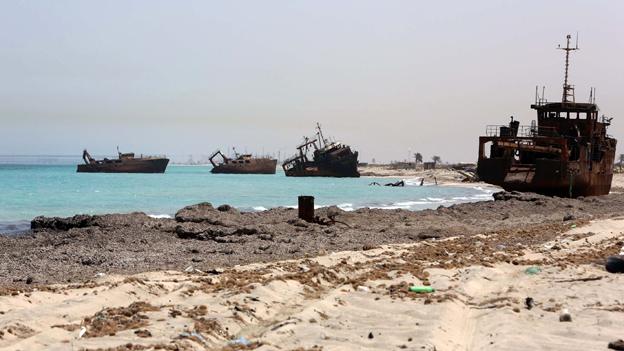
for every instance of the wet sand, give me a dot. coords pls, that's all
(356, 299)
(76, 249)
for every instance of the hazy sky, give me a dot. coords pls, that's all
(387, 77)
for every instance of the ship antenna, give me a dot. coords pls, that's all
(568, 90)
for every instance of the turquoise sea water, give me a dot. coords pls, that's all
(27, 191)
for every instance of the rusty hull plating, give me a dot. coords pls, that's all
(329, 159)
(243, 164)
(125, 163)
(567, 153)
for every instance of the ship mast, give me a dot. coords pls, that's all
(320, 134)
(568, 90)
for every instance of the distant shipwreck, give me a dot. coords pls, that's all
(567, 153)
(328, 159)
(242, 164)
(125, 163)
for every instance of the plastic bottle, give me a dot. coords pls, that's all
(421, 289)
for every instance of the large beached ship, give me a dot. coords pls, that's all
(242, 164)
(329, 159)
(567, 153)
(124, 163)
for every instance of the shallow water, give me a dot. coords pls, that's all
(57, 190)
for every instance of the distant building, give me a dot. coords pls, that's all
(429, 165)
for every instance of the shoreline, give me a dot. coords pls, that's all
(77, 248)
(349, 298)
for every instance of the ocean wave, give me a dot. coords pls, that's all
(346, 207)
(160, 216)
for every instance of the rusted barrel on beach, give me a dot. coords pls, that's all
(306, 208)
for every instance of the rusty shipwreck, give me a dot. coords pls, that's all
(567, 153)
(124, 163)
(242, 164)
(319, 157)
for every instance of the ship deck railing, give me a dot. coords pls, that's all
(523, 131)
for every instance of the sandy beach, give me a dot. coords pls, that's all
(215, 278)
(441, 175)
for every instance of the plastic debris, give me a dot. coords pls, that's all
(421, 289)
(532, 270)
(194, 334)
(363, 288)
(241, 341)
(82, 332)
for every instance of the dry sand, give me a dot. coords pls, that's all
(441, 175)
(346, 301)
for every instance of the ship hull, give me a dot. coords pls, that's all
(314, 169)
(253, 166)
(553, 177)
(157, 165)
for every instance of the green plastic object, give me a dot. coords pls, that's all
(421, 289)
(532, 270)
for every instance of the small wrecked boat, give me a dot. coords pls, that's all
(125, 163)
(567, 153)
(242, 164)
(328, 159)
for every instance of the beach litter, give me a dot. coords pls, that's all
(532, 270)
(616, 345)
(529, 302)
(565, 316)
(194, 335)
(241, 341)
(421, 289)
(615, 264)
(363, 288)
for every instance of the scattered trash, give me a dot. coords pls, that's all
(421, 289)
(565, 316)
(363, 288)
(82, 332)
(191, 269)
(215, 271)
(573, 226)
(529, 303)
(616, 345)
(99, 275)
(143, 333)
(615, 264)
(195, 335)
(370, 335)
(241, 341)
(532, 270)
